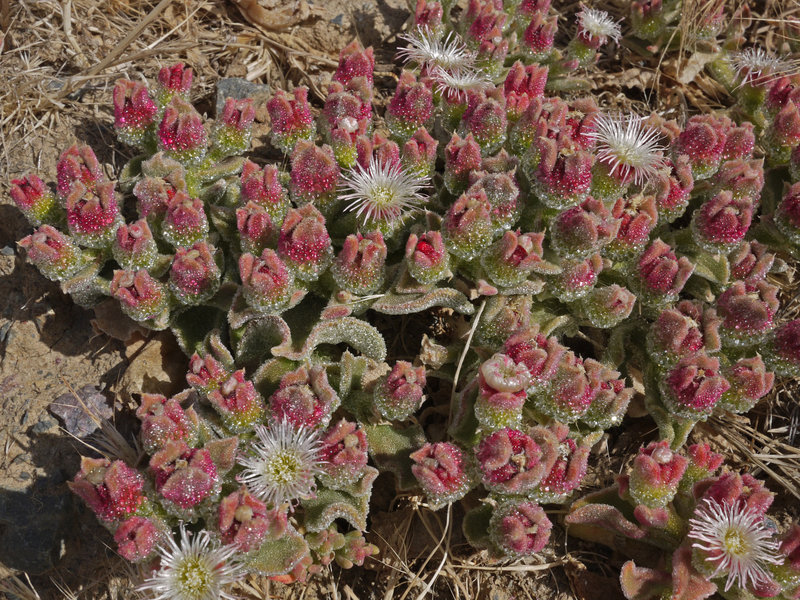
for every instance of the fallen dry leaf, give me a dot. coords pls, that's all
(273, 18)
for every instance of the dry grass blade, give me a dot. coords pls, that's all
(15, 588)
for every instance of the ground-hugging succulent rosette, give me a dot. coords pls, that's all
(582, 245)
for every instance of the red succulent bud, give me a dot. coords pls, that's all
(569, 468)
(354, 61)
(672, 191)
(194, 276)
(467, 226)
(185, 221)
(638, 217)
(783, 351)
(176, 79)
(181, 134)
(77, 164)
(53, 253)
(138, 539)
(485, 118)
(541, 355)
(134, 111)
(743, 491)
(245, 521)
(441, 470)
(563, 176)
(419, 153)
(360, 266)
(513, 257)
(238, 403)
(184, 476)
(747, 312)
(234, 126)
(787, 215)
(428, 15)
(142, 298)
(255, 227)
(655, 475)
(314, 176)
(520, 528)
(411, 106)
(267, 284)
(36, 202)
(291, 118)
(134, 246)
(344, 454)
(461, 156)
(304, 242)
(112, 490)
(164, 419)
(703, 142)
(206, 373)
(511, 462)
(740, 142)
(577, 278)
(304, 398)
(522, 84)
(539, 36)
(263, 187)
(401, 392)
(582, 230)
(693, 387)
(661, 274)
(750, 381)
(683, 331)
(93, 214)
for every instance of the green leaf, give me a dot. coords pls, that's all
(390, 446)
(404, 304)
(476, 526)
(191, 326)
(713, 267)
(277, 557)
(350, 503)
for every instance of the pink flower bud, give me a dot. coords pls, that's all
(790, 548)
(577, 278)
(520, 528)
(164, 420)
(502, 191)
(787, 215)
(672, 191)
(485, 119)
(348, 110)
(501, 374)
(304, 242)
(154, 194)
(683, 331)
(267, 284)
(314, 175)
(77, 164)
(510, 462)
(638, 217)
(304, 398)
(134, 112)
(529, 8)
(750, 381)
(184, 476)
(194, 276)
(784, 133)
(134, 246)
(36, 202)
(354, 61)
(703, 463)
(138, 539)
(504, 315)
(522, 84)
(206, 373)
(703, 142)
(441, 470)
(611, 397)
(647, 19)
(583, 230)
(344, 454)
(692, 388)
(234, 127)
(401, 392)
(291, 118)
(185, 221)
(263, 187)
(427, 258)
(174, 80)
(747, 312)
(655, 475)
(607, 306)
(238, 403)
(360, 267)
(467, 226)
(93, 214)
(743, 178)
(513, 257)
(112, 490)
(740, 142)
(563, 176)
(569, 393)
(419, 153)
(181, 134)
(541, 355)
(569, 468)
(245, 521)
(410, 108)
(661, 275)
(720, 224)
(429, 15)
(53, 253)
(539, 36)
(783, 350)
(142, 298)
(743, 491)
(461, 156)
(255, 227)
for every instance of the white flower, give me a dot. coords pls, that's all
(283, 463)
(734, 541)
(383, 192)
(459, 81)
(598, 24)
(628, 146)
(426, 48)
(197, 569)
(753, 63)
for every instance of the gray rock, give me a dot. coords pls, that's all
(77, 414)
(7, 251)
(238, 89)
(44, 424)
